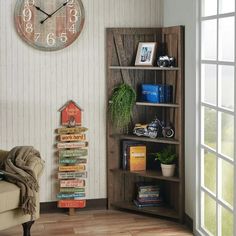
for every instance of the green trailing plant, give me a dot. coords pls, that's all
(166, 156)
(121, 105)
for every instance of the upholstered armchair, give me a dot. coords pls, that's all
(11, 212)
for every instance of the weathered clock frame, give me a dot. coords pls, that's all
(49, 25)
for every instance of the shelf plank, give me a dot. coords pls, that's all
(145, 139)
(154, 174)
(144, 68)
(160, 210)
(157, 104)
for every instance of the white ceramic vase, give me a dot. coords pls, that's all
(168, 170)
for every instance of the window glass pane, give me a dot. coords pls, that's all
(226, 144)
(209, 83)
(209, 132)
(209, 7)
(209, 38)
(226, 222)
(209, 168)
(226, 87)
(226, 39)
(226, 6)
(209, 214)
(227, 182)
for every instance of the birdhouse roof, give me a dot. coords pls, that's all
(70, 101)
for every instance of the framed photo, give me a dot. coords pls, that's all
(146, 54)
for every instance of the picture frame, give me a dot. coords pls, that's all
(146, 54)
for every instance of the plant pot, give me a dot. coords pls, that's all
(168, 170)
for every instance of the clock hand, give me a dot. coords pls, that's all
(39, 9)
(64, 4)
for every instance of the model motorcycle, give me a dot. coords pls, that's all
(152, 129)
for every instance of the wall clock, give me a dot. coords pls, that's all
(49, 25)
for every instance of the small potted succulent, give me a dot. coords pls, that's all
(167, 158)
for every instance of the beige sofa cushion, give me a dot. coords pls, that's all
(9, 195)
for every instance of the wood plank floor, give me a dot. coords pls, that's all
(101, 223)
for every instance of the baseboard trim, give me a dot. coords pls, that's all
(188, 222)
(91, 204)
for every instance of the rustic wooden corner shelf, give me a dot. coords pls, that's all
(163, 211)
(153, 174)
(144, 68)
(122, 45)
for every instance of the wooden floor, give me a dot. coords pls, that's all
(101, 223)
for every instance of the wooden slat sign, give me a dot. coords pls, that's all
(72, 161)
(70, 195)
(72, 145)
(71, 137)
(80, 167)
(72, 175)
(72, 183)
(71, 130)
(72, 203)
(72, 190)
(73, 153)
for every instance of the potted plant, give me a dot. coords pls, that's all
(121, 106)
(167, 158)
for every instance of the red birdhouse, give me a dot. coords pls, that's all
(71, 114)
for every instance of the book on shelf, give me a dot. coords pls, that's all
(140, 204)
(133, 155)
(165, 93)
(148, 194)
(137, 158)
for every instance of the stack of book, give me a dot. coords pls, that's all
(148, 195)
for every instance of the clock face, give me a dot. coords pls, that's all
(49, 25)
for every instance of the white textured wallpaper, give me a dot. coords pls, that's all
(35, 84)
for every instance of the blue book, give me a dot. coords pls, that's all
(150, 93)
(162, 93)
(168, 93)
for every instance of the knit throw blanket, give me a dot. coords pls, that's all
(16, 171)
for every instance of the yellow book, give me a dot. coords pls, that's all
(137, 158)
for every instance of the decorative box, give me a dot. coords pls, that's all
(150, 93)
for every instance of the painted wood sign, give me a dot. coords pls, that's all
(80, 167)
(80, 144)
(70, 195)
(72, 203)
(72, 183)
(72, 175)
(72, 130)
(72, 161)
(70, 114)
(72, 158)
(71, 137)
(73, 153)
(72, 190)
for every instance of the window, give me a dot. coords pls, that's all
(216, 177)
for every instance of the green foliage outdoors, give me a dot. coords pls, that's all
(121, 105)
(166, 156)
(210, 173)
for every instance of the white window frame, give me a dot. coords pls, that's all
(199, 230)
